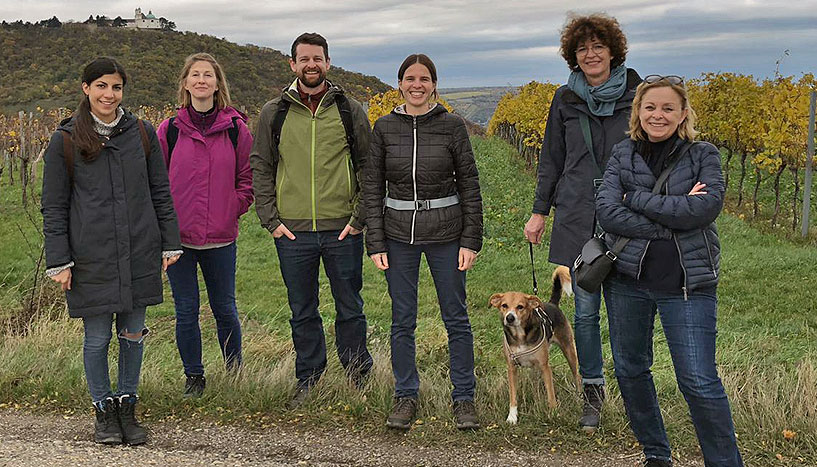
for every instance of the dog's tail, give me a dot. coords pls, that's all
(561, 283)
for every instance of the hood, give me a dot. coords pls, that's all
(435, 110)
(224, 119)
(127, 120)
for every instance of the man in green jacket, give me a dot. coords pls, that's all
(306, 161)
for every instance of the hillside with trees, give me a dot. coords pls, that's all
(41, 65)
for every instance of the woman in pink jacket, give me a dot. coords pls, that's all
(206, 147)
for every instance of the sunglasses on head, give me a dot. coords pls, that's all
(671, 79)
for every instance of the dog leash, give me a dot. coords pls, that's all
(533, 270)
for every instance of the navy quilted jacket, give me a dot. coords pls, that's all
(673, 214)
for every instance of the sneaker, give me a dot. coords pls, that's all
(402, 413)
(657, 463)
(132, 431)
(194, 386)
(298, 397)
(106, 426)
(591, 413)
(466, 414)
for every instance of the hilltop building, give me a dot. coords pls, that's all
(142, 21)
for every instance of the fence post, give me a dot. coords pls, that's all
(809, 162)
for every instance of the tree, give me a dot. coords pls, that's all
(118, 22)
(166, 25)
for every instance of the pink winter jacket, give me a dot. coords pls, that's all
(210, 181)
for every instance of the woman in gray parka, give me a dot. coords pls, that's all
(109, 230)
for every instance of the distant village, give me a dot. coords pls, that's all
(139, 21)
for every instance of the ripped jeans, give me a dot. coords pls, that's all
(95, 352)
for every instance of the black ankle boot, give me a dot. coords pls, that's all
(591, 412)
(132, 431)
(106, 426)
(194, 386)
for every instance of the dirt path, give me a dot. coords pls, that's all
(54, 440)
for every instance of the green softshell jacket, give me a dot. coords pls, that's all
(309, 182)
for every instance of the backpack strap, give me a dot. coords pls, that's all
(233, 133)
(172, 137)
(145, 140)
(278, 122)
(68, 155)
(348, 125)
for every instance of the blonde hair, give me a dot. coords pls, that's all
(686, 129)
(221, 97)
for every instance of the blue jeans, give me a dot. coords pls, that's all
(343, 263)
(587, 333)
(402, 277)
(690, 329)
(95, 352)
(218, 269)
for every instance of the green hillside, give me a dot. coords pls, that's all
(41, 66)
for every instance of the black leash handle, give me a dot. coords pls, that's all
(533, 270)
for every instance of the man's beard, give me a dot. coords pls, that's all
(318, 80)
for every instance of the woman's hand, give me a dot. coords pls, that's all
(697, 189)
(467, 258)
(168, 261)
(64, 279)
(380, 260)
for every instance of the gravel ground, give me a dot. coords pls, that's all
(54, 440)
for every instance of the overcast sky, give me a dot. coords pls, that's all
(490, 42)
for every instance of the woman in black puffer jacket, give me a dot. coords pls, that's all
(670, 265)
(421, 191)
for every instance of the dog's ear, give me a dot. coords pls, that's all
(534, 302)
(496, 299)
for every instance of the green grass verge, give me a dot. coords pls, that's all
(766, 346)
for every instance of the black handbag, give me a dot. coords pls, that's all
(595, 261)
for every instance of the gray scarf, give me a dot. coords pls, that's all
(601, 99)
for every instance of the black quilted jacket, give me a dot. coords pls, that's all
(673, 214)
(423, 157)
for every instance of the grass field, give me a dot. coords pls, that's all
(767, 344)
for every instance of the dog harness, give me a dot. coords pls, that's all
(547, 328)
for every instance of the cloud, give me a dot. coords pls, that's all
(488, 41)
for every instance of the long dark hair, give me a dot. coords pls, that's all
(84, 135)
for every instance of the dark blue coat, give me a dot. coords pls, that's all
(643, 216)
(566, 168)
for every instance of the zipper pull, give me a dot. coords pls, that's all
(686, 297)
(414, 122)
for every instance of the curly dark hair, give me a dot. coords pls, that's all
(606, 29)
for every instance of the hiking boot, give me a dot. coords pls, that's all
(298, 397)
(132, 431)
(194, 386)
(359, 379)
(466, 414)
(591, 413)
(106, 426)
(657, 463)
(402, 414)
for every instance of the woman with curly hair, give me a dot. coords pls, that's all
(587, 117)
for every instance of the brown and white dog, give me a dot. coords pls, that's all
(530, 327)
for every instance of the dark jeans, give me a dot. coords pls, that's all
(218, 269)
(95, 352)
(690, 329)
(588, 334)
(343, 263)
(402, 277)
